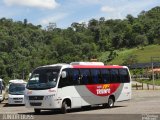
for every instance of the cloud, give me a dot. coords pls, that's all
(84, 2)
(120, 9)
(107, 9)
(45, 4)
(53, 18)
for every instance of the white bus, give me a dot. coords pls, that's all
(2, 90)
(16, 91)
(66, 86)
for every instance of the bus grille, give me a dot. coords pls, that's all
(36, 97)
(35, 104)
(17, 98)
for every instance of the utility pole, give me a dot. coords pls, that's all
(152, 62)
(153, 59)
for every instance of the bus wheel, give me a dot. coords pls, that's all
(110, 103)
(37, 111)
(64, 107)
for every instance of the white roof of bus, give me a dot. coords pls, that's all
(54, 65)
(86, 63)
(78, 63)
(17, 81)
(1, 79)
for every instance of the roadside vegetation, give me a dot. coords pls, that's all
(24, 46)
(157, 81)
(134, 55)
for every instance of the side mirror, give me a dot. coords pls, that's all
(64, 74)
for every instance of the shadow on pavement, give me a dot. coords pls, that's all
(15, 105)
(56, 111)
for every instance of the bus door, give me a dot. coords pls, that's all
(67, 86)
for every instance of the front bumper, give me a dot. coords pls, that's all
(42, 102)
(17, 100)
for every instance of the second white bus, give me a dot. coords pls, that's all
(16, 92)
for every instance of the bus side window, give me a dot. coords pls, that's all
(105, 76)
(85, 76)
(114, 76)
(95, 74)
(75, 76)
(124, 76)
(65, 81)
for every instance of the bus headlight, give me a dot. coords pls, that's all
(48, 97)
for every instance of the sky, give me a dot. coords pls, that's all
(65, 12)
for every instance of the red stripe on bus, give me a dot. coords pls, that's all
(103, 89)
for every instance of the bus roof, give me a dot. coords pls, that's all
(17, 81)
(98, 66)
(86, 63)
(1, 79)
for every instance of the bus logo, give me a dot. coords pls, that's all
(106, 86)
(104, 90)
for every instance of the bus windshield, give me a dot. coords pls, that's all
(16, 89)
(43, 78)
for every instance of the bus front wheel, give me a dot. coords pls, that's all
(37, 111)
(64, 107)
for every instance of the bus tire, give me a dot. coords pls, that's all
(37, 111)
(64, 107)
(111, 101)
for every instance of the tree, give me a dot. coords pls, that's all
(51, 26)
(25, 22)
(130, 18)
(141, 40)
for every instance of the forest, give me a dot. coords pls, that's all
(24, 46)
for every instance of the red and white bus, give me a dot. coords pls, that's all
(66, 86)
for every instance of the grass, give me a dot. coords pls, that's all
(143, 54)
(136, 85)
(157, 82)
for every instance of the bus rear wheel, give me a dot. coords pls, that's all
(64, 107)
(110, 103)
(37, 111)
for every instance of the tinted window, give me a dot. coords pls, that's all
(66, 81)
(43, 78)
(114, 76)
(95, 73)
(16, 89)
(75, 76)
(124, 76)
(105, 75)
(85, 76)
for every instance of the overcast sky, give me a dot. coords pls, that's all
(65, 12)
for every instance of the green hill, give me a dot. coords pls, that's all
(143, 55)
(24, 46)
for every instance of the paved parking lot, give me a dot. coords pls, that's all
(143, 102)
